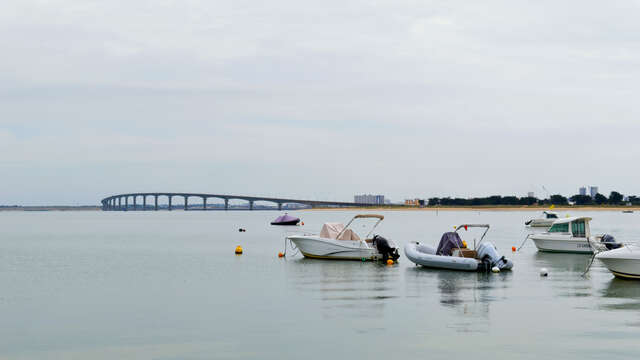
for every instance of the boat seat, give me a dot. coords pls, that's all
(466, 253)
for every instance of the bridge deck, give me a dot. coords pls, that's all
(115, 202)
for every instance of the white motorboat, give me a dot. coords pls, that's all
(569, 235)
(622, 260)
(452, 253)
(547, 219)
(337, 241)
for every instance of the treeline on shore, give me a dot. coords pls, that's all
(615, 198)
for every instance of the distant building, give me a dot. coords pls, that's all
(369, 199)
(582, 191)
(531, 194)
(414, 202)
(593, 190)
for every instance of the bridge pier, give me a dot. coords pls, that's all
(126, 203)
(226, 204)
(204, 203)
(170, 208)
(186, 202)
(135, 197)
(144, 202)
(250, 204)
(119, 203)
(279, 206)
(155, 199)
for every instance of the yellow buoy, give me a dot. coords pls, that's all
(464, 244)
(238, 250)
(280, 254)
(389, 262)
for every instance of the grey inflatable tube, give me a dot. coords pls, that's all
(425, 255)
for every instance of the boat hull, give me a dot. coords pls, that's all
(290, 222)
(623, 262)
(562, 245)
(321, 248)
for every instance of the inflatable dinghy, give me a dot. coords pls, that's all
(452, 254)
(285, 220)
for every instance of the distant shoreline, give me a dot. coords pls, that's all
(380, 208)
(489, 208)
(50, 208)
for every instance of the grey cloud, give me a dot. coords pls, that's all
(409, 98)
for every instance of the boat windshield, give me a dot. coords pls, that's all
(559, 228)
(551, 215)
(578, 228)
(355, 236)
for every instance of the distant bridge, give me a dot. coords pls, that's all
(121, 201)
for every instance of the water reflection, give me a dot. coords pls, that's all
(566, 273)
(621, 294)
(361, 286)
(562, 262)
(467, 292)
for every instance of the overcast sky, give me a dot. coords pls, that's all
(321, 101)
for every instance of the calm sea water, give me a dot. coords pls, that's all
(160, 285)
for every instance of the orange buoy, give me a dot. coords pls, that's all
(238, 250)
(280, 254)
(389, 262)
(302, 223)
(513, 248)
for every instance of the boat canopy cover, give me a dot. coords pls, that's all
(285, 218)
(449, 241)
(331, 231)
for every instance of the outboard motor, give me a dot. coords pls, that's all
(386, 248)
(610, 242)
(489, 256)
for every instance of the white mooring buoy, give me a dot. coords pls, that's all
(544, 272)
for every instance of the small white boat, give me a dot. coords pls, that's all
(453, 254)
(568, 235)
(623, 260)
(547, 219)
(337, 241)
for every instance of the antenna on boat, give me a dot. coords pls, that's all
(546, 191)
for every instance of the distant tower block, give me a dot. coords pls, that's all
(531, 194)
(593, 190)
(582, 191)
